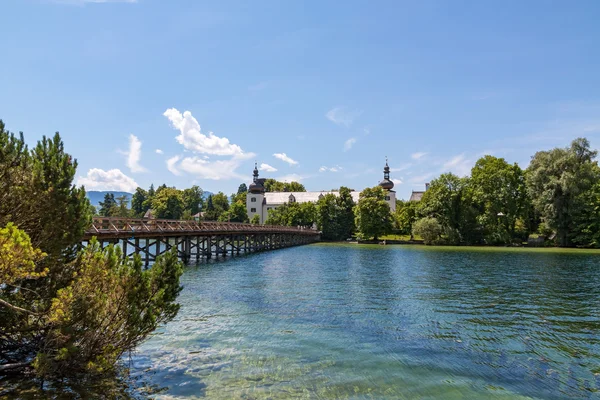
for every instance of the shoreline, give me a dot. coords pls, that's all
(419, 243)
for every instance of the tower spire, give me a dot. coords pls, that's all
(386, 183)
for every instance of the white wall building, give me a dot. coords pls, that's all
(259, 203)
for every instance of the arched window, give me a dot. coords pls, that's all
(292, 199)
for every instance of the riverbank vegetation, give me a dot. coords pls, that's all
(557, 199)
(67, 312)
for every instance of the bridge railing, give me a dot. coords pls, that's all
(115, 225)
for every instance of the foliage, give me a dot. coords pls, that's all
(121, 208)
(271, 185)
(346, 205)
(556, 180)
(449, 200)
(60, 312)
(168, 203)
(217, 205)
(500, 194)
(335, 216)
(428, 228)
(192, 199)
(405, 216)
(586, 220)
(255, 219)
(372, 213)
(236, 213)
(293, 214)
(18, 258)
(327, 214)
(140, 203)
(242, 188)
(108, 309)
(108, 207)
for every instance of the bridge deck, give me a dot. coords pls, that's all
(115, 228)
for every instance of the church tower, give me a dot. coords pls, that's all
(255, 198)
(388, 185)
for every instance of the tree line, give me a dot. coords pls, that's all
(557, 197)
(171, 203)
(67, 312)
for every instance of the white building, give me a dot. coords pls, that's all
(259, 203)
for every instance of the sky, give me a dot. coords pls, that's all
(194, 93)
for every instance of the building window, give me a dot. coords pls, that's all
(253, 199)
(387, 198)
(253, 210)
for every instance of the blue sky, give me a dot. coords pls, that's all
(321, 91)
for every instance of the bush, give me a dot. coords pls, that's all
(429, 229)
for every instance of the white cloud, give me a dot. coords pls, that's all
(336, 168)
(291, 178)
(341, 116)
(215, 170)
(171, 165)
(193, 139)
(284, 157)
(397, 181)
(134, 155)
(114, 179)
(418, 155)
(458, 165)
(267, 168)
(159, 151)
(349, 143)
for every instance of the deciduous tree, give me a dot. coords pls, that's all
(555, 181)
(373, 216)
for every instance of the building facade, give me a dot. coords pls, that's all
(259, 202)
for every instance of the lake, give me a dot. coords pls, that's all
(409, 322)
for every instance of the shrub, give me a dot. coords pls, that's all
(429, 229)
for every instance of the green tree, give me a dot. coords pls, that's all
(139, 202)
(499, 191)
(57, 314)
(556, 179)
(255, 220)
(293, 214)
(242, 188)
(346, 205)
(586, 220)
(210, 214)
(108, 207)
(328, 218)
(272, 185)
(122, 209)
(429, 229)
(236, 213)
(372, 213)
(168, 204)
(449, 199)
(192, 199)
(406, 214)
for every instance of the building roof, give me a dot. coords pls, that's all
(302, 197)
(416, 196)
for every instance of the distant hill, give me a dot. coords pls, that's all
(96, 197)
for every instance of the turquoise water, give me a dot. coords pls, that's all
(347, 321)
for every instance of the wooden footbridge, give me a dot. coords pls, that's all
(152, 237)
